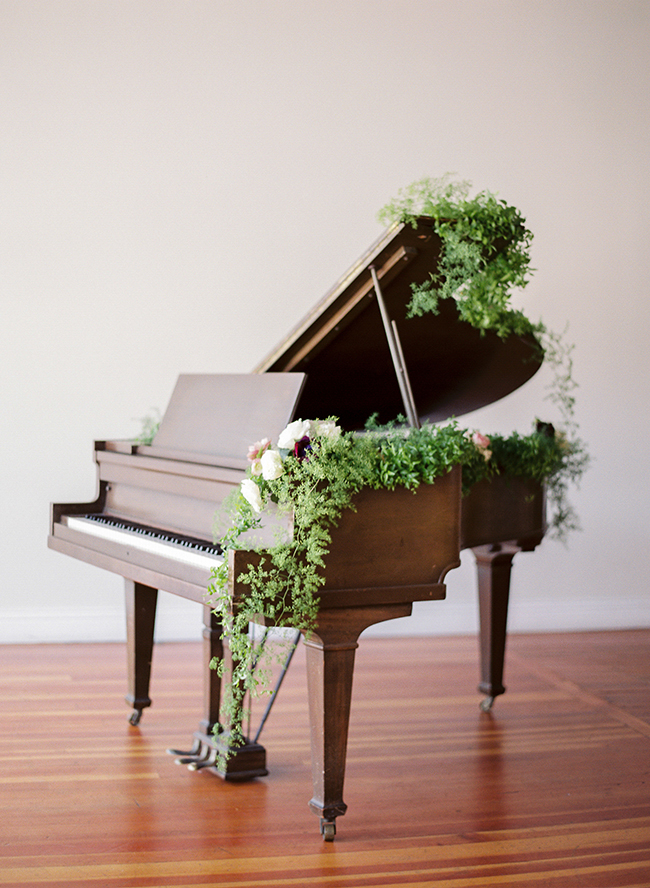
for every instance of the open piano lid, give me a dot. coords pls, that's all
(342, 347)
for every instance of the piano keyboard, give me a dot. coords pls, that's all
(186, 550)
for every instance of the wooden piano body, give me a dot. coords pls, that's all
(336, 362)
(152, 520)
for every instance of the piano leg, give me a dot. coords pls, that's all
(330, 667)
(212, 647)
(494, 565)
(140, 619)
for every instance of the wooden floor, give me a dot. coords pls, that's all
(552, 788)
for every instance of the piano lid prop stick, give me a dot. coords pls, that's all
(274, 693)
(407, 381)
(397, 355)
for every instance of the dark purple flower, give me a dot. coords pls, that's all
(302, 448)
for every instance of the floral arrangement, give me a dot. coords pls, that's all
(310, 476)
(485, 257)
(485, 252)
(314, 470)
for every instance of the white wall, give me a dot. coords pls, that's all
(181, 181)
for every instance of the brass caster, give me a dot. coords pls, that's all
(486, 704)
(328, 830)
(135, 716)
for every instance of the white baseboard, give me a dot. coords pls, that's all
(176, 620)
(180, 620)
(572, 615)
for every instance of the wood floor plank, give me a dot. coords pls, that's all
(551, 788)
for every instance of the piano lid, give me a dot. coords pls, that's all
(342, 347)
(213, 418)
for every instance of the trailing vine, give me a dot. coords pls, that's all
(310, 477)
(485, 253)
(485, 256)
(312, 473)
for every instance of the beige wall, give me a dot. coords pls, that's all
(182, 180)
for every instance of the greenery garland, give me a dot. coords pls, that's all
(310, 477)
(485, 256)
(485, 253)
(315, 469)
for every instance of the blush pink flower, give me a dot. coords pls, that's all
(482, 444)
(256, 450)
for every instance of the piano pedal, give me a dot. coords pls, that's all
(247, 762)
(189, 754)
(201, 755)
(209, 762)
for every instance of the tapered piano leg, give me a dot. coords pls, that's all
(494, 565)
(140, 620)
(212, 647)
(330, 667)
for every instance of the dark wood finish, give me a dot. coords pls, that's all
(212, 418)
(500, 517)
(504, 509)
(342, 347)
(140, 619)
(494, 565)
(549, 789)
(212, 649)
(395, 548)
(393, 554)
(170, 487)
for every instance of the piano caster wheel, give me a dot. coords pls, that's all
(328, 830)
(134, 718)
(486, 704)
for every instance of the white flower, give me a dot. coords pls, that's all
(272, 466)
(251, 493)
(293, 432)
(327, 429)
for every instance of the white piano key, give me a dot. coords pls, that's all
(167, 549)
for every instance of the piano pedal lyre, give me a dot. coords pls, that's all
(245, 763)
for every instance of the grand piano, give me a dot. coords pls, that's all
(355, 354)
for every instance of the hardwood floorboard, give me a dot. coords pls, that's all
(551, 788)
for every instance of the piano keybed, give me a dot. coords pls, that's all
(177, 547)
